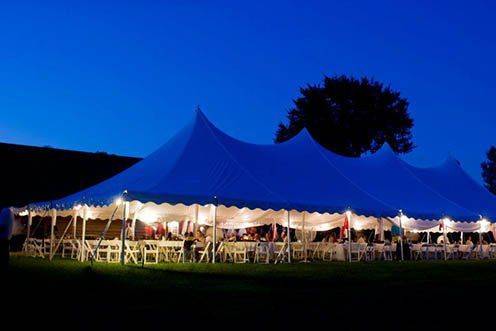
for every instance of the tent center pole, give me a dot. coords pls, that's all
(445, 239)
(349, 219)
(52, 232)
(123, 231)
(288, 236)
(214, 237)
(83, 234)
(401, 236)
(28, 235)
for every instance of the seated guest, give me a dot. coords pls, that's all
(256, 237)
(232, 237)
(283, 235)
(469, 241)
(160, 233)
(189, 236)
(440, 240)
(148, 232)
(362, 240)
(269, 236)
(200, 237)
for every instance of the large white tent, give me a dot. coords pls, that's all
(204, 176)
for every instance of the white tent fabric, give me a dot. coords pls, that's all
(256, 184)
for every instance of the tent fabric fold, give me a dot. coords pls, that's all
(203, 165)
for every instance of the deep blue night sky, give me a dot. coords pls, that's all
(124, 78)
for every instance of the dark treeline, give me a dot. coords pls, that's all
(43, 173)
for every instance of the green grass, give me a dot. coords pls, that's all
(363, 294)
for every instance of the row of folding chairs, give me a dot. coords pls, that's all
(430, 252)
(253, 252)
(359, 251)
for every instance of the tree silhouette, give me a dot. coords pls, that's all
(489, 170)
(351, 116)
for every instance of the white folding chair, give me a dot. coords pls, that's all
(297, 250)
(359, 251)
(379, 252)
(492, 251)
(114, 251)
(451, 251)
(132, 251)
(240, 252)
(205, 253)
(262, 252)
(484, 253)
(388, 254)
(281, 249)
(150, 249)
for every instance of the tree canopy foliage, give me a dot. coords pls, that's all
(351, 116)
(489, 170)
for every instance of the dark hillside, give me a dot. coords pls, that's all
(42, 173)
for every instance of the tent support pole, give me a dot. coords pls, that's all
(350, 218)
(52, 232)
(62, 237)
(133, 225)
(381, 235)
(125, 215)
(304, 238)
(214, 237)
(445, 239)
(401, 236)
(480, 242)
(102, 235)
(74, 224)
(83, 234)
(28, 235)
(288, 236)
(461, 237)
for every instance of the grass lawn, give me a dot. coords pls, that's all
(385, 295)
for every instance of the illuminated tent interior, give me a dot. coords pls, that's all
(202, 175)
